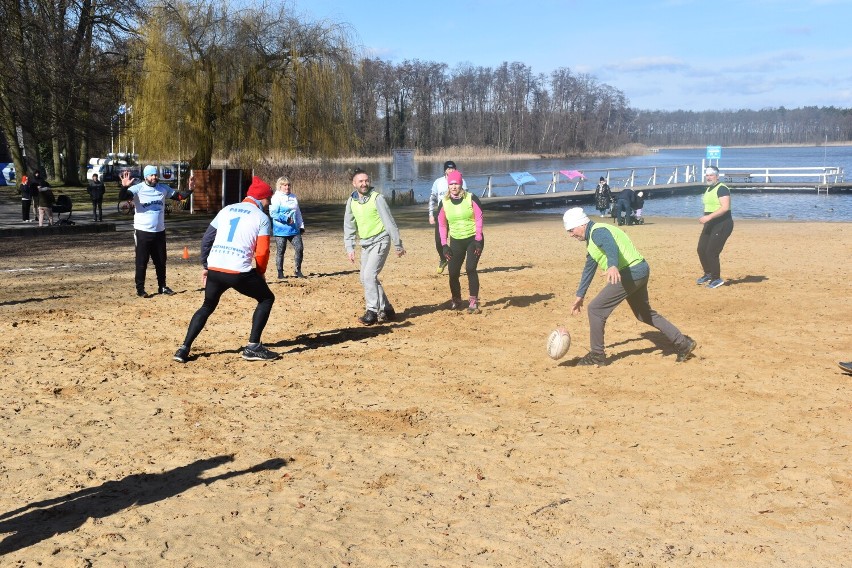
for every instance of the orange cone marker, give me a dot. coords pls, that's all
(186, 253)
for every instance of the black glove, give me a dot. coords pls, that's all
(302, 231)
(477, 248)
(448, 252)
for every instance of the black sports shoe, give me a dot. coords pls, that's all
(685, 350)
(258, 353)
(280, 274)
(167, 291)
(388, 315)
(369, 318)
(182, 354)
(299, 274)
(846, 366)
(142, 294)
(590, 358)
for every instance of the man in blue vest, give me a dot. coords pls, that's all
(610, 249)
(369, 219)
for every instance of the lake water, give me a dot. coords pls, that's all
(793, 206)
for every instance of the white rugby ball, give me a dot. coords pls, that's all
(558, 343)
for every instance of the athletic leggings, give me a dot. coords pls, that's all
(153, 246)
(714, 234)
(250, 284)
(463, 254)
(281, 247)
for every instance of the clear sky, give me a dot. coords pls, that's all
(663, 54)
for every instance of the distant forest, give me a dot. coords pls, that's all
(202, 80)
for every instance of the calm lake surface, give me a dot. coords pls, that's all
(793, 206)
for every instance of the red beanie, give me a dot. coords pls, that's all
(259, 189)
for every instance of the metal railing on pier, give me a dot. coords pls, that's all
(637, 177)
(587, 180)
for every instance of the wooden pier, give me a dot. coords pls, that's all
(573, 198)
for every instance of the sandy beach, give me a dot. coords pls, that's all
(442, 439)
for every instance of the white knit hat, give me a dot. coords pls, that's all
(574, 217)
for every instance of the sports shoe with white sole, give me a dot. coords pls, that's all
(716, 283)
(182, 354)
(258, 353)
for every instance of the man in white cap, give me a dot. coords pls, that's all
(149, 224)
(718, 224)
(627, 275)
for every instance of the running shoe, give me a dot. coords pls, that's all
(685, 350)
(258, 353)
(142, 294)
(182, 354)
(388, 315)
(704, 280)
(441, 266)
(473, 306)
(167, 291)
(716, 283)
(369, 318)
(847, 366)
(299, 274)
(592, 359)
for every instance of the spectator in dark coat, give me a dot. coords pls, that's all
(96, 191)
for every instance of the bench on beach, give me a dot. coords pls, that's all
(737, 176)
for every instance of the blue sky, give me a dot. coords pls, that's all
(663, 54)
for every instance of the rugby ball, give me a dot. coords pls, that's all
(558, 343)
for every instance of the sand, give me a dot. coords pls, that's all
(443, 439)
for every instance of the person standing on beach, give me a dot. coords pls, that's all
(627, 273)
(462, 241)
(287, 225)
(149, 224)
(368, 218)
(236, 237)
(602, 196)
(96, 191)
(718, 226)
(436, 198)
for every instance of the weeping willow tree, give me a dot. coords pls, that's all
(252, 82)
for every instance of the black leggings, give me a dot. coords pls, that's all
(250, 284)
(711, 242)
(438, 246)
(463, 254)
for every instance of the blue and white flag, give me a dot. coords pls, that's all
(122, 108)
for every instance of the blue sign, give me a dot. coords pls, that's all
(522, 178)
(714, 152)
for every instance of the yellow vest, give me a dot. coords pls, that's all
(627, 253)
(460, 217)
(367, 217)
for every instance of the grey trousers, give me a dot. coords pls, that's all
(373, 259)
(636, 294)
(281, 247)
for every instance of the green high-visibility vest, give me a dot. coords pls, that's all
(627, 253)
(367, 217)
(460, 217)
(711, 198)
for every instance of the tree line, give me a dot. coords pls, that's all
(207, 80)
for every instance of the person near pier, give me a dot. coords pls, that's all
(602, 196)
(627, 273)
(460, 225)
(368, 219)
(96, 191)
(718, 224)
(624, 205)
(436, 198)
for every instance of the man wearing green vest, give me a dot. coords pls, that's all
(610, 249)
(368, 218)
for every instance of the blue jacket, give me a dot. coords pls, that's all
(286, 215)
